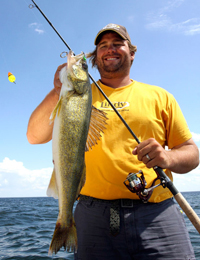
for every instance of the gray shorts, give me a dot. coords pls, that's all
(148, 231)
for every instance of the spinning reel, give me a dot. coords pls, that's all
(136, 183)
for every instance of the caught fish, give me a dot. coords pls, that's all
(77, 127)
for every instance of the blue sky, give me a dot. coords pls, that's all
(167, 34)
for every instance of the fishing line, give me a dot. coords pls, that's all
(157, 169)
(39, 23)
(121, 118)
(4, 57)
(6, 68)
(165, 180)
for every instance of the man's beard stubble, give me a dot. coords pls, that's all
(113, 70)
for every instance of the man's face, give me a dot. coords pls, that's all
(113, 56)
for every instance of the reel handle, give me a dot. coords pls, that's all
(193, 217)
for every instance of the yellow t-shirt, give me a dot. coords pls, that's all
(150, 111)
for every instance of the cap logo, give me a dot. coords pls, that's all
(112, 26)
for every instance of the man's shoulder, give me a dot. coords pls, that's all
(151, 88)
(146, 85)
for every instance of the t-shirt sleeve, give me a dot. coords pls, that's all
(176, 126)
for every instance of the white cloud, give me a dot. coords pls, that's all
(39, 31)
(171, 5)
(196, 137)
(187, 182)
(131, 18)
(18, 181)
(36, 27)
(188, 27)
(162, 20)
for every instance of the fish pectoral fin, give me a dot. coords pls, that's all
(70, 93)
(52, 190)
(96, 127)
(56, 110)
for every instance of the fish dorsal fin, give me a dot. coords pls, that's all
(96, 127)
(52, 190)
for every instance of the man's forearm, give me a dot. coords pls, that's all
(39, 128)
(185, 158)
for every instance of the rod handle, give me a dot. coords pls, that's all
(188, 211)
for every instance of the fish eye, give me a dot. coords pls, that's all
(84, 66)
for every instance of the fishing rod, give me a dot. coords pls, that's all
(165, 180)
(127, 126)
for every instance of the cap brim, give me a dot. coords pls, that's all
(123, 37)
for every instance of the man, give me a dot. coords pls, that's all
(112, 222)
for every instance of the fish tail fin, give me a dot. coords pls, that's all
(64, 236)
(71, 242)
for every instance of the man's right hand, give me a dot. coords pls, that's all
(39, 129)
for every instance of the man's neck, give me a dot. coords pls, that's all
(116, 82)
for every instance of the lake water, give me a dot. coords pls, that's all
(27, 225)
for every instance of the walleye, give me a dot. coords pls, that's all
(73, 116)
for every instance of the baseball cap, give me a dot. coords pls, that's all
(119, 29)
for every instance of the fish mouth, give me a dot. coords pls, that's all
(77, 66)
(73, 59)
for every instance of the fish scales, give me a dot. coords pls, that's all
(77, 127)
(73, 139)
(70, 132)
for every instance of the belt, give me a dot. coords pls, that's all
(115, 206)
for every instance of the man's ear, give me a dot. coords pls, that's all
(132, 55)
